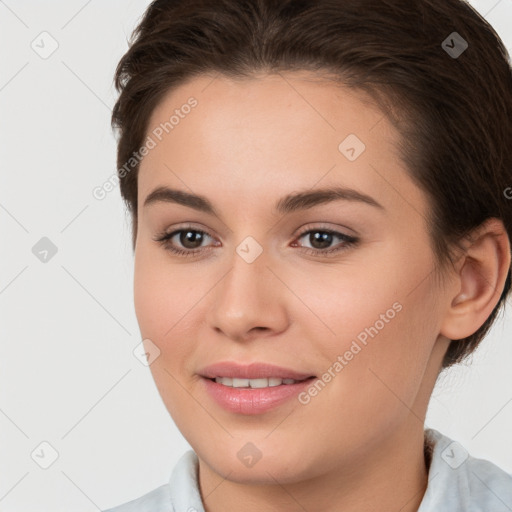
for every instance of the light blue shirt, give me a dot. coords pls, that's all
(457, 482)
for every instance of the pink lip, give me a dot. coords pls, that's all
(248, 400)
(252, 401)
(250, 371)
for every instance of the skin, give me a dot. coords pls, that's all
(247, 144)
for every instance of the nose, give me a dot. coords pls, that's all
(249, 300)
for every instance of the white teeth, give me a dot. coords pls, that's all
(253, 383)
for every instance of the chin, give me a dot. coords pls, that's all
(266, 470)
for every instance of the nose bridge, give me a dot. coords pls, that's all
(248, 276)
(246, 297)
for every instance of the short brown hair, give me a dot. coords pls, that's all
(453, 112)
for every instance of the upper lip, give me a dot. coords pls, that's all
(254, 370)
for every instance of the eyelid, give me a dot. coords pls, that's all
(321, 226)
(184, 227)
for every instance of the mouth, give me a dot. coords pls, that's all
(253, 396)
(255, 374)
(260, 383)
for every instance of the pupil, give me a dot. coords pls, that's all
(323, 238)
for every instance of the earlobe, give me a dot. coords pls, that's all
(481, 279)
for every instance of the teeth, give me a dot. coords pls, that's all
(253, 383)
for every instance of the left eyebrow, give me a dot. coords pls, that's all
(309, 198)
(290, 203)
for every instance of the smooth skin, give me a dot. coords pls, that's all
(358, 444)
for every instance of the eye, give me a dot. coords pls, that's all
(321, 238)
(191, 239)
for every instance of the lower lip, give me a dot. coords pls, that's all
(253, 401)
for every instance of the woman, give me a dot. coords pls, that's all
(322, 216)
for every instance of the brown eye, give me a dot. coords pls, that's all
(321, 240)
(189, 239)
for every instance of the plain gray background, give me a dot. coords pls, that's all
(68, 375)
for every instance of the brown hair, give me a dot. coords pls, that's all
(453, 111)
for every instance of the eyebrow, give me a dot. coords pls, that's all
(296, 201)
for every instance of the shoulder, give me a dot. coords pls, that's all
(157, 500)
(181, 492)
(458, 481)
(488, 486)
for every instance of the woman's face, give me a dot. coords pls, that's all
(274, 280)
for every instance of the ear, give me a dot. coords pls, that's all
(481, 275)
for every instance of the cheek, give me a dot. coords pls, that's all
(377, 325)
(159, 293)
(378, 369)
(167, 306)
(162, 300)
(148, 294)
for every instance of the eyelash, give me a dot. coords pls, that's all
(164, 239)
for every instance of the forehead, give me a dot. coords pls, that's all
(291, 105)
(272, 134)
